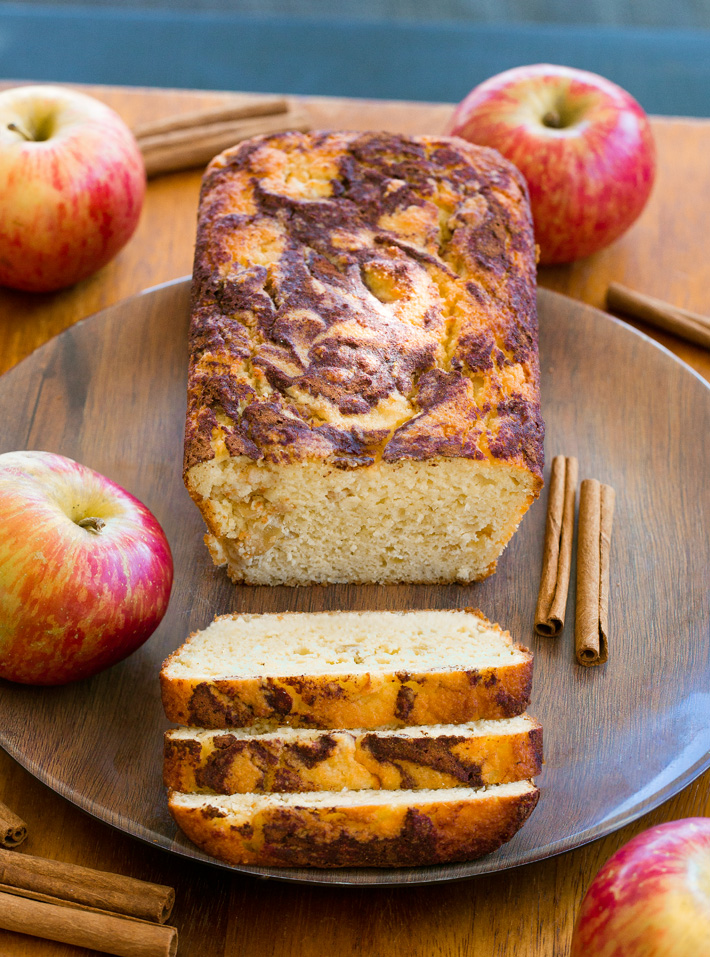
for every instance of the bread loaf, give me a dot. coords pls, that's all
(355, 828)
(363, 394)
(346, 670)
(299, 759)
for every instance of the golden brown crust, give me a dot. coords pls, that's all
(350, 700)
(224, 763)
(379, 835)
(363, 297)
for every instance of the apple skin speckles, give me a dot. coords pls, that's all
(652, 897)
(74, 598)
(583, 144)
(85, 182)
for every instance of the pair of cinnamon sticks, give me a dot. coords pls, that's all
(189, 140)
(81, 906)
(596, 512)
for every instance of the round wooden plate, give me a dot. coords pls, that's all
(619, 739)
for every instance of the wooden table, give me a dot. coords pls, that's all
(526, 912)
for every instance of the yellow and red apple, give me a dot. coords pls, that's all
(73, 183)
(651, 898)
(583, 144)
(85, 570)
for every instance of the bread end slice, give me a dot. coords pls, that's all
(406, 828)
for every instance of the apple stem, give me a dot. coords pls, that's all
(91, 524)
(552, 119)
(18, 129)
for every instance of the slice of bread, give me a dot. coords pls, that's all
(299, 759)
(403, 828)
(346, 670)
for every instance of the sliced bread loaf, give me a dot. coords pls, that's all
(363, 389)
(403, 828)
(346, 670)
(301, 759)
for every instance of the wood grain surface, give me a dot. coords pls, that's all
(529, 911)
(609, 735)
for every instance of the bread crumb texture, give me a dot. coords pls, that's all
(363, 398)
(346, 670)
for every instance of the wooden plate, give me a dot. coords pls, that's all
(619, 739)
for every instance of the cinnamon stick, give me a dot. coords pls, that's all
(255, 106)
(195, 135)
(108, 933)
(681, 322)
(557, 550)
(50, 899)
(84, 885)
(596, 512)
(13, 829)
(195, 146)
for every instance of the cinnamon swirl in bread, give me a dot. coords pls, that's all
(363, 399)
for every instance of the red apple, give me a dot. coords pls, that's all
(85, 570)
(73, 182)
(651, 898)
(583, 144)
